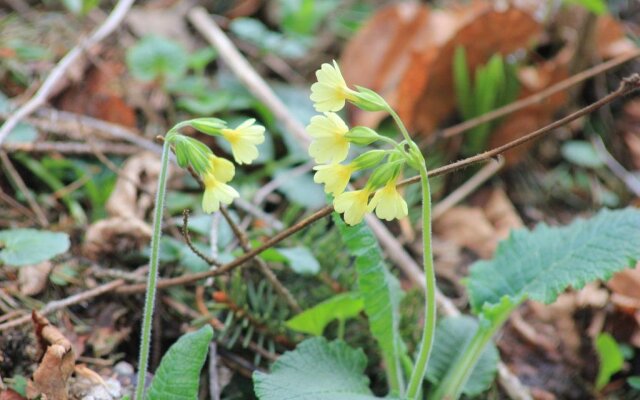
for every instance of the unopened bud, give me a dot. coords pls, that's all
(369, 159)
(368, 100)
(362, 136)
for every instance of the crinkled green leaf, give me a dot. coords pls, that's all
(313, 320)
(31, 246)
(316, 370)
(611, 359)
(581, 153)
(541, 263)
(452, 336)
(300, 259)
(380, 291)
(178, 376)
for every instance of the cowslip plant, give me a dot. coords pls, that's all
(215, 172)
(536, 265)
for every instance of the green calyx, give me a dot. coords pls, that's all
(190, 151)
(208, 126)
(362, 136)
(368, 100)
(385, 173)
(369, 159)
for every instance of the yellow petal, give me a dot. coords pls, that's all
(335, 177)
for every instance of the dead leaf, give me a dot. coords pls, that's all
(479, 228)
(611, 40)
(106, 336)
(100, 95)
(10, 394)
(409, 54)
(131, 200)
(33, 278)
(57, 364)
(166, 22)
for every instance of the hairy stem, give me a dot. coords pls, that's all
(149, 301)
(415, 383)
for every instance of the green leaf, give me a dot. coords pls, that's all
(155, 57)
(581, 153)
(634, 382)
(542, 263)
(316, 370)
(300, 259)
(301, 189)
(381, 293)
(30, 246)
(453, 334)
(22, 133)
(597, 7)
(313, 320)
(178, 376)
(611, 359)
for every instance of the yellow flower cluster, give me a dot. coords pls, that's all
(215, 171)
(331, 139)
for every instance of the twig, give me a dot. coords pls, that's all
(537, 97)
(17, 179)
(15, 204)
(241, 68)
(63, 65)
(466, 188)
(262, 265)
(187, 239)
(632, 182)
(70, 147)
(60, 304)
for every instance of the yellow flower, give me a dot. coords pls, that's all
(388, 203)
(353, 204)
(329, 143)
(221, 168)
(216, 192)
(334, 176)
(243, 140)
(331, 91)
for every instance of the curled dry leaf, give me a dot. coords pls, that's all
(33, 278)
(409, 50)
(132, 198)
(479, 228)
(50, 378)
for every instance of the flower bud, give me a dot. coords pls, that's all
(209, 126)
(361, 135)
(368, 100)
(385, 173)
(369, 159)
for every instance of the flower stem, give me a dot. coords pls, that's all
(149, 301)
(415, 383)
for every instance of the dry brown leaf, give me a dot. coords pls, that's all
(106, 336)
(131, 200)
(405, 52)
(33, 278)
(57, 364)
(10, 394)
(100, 95)
(611, 40)
(168, 22)
(479, 228)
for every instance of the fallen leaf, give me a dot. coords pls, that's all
(611, 39)
(409, 50)
(10, 394)
(479, 228)
(100, 95)
(116, 235)
(50, 378)
(33, 278)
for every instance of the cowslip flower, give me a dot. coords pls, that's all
(221, 168)
(331, 90)
(353, 204)
(329, 143)
(216, 192)
(335, 177)
(244, 140)
(388, 203)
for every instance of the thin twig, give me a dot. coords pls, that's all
(187, 239)
(466, 188)
(58, 72)
(17, 179)
(537, 97)
(262, 265)
(60, 304)
(15, 204)
(70, 147)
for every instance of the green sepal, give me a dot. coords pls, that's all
(208, 126)
(368, 100)
(362, 136)
(190, 151)
(369, 159)
(385, 173)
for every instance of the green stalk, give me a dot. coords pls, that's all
(455, 380)
(150, 296)
(415, 383)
